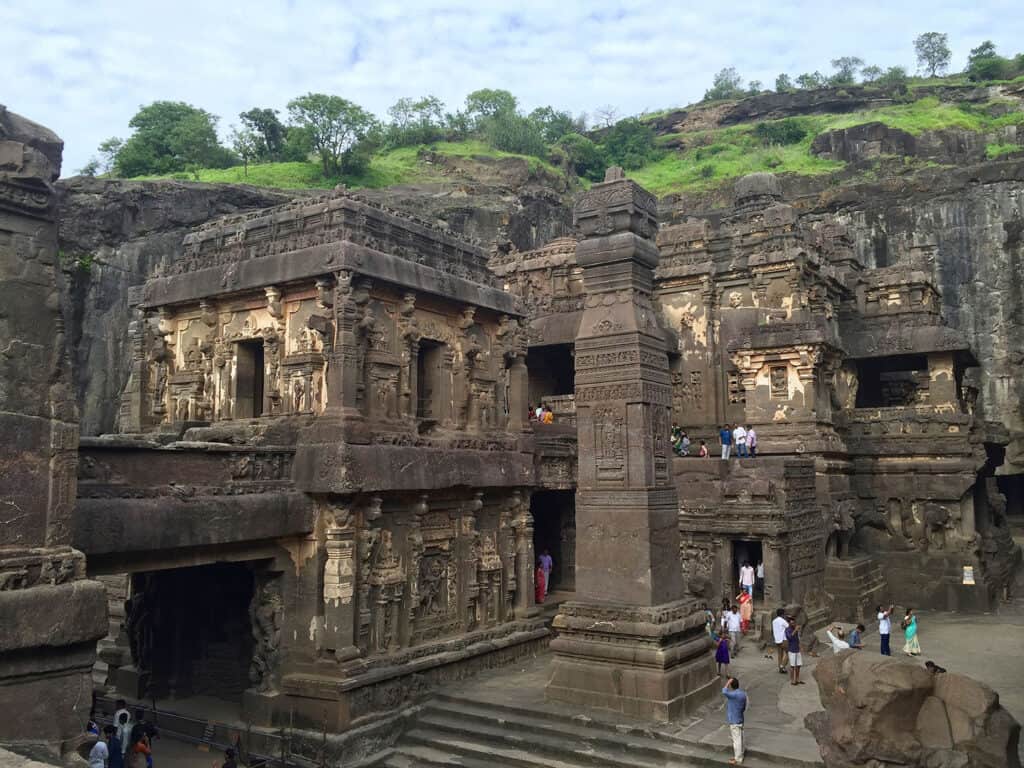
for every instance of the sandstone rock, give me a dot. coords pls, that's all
(885, 710)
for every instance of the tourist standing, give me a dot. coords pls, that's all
(539, 584)
(746, 610)
(795, 659)
(759, 575)
(911, 646)
(751, 441)
(99, 755)
(547, 565)
(747, 578)
(856, 638)
(684, 444)
(735, 708)
(114, 747)
(779, 627)
(725, 435)
(884, 628)
(722, 655)
(532, 413)
(538, 412)
(739, 437)
(734, 624)
(123, 724)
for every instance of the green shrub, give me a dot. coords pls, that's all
(585, 157)
(993, 151)
(707, 171)
(790, 130)
(630, 143)
(511, 132)
(989, 68)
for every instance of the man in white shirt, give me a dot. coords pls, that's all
(747, 578)
(733, 626)
(884, 628)
(837, 640)
(739, 436)
(779, 625)
(759, 584)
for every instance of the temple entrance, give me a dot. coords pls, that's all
(249, 379)
(554, 531)
(428, 378)
(191, 631)
(746, 551)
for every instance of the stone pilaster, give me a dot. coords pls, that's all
(45, 663)
(631, 643)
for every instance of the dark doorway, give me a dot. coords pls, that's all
(249, 374)
(554, 531)
(746, 551)
(891, 382)
(199, 630)
(551, 371)
(428, 378)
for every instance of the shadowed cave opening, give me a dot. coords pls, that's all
(554, 530)
(198, 630)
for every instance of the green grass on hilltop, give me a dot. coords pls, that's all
(386, 169)
(995, 151)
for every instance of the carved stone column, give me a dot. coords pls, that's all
(523, 524)
(631, 643)
(339, 632)
(50, 615)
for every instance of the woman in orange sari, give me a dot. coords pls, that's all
(746, 610)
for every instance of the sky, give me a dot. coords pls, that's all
(84, 68)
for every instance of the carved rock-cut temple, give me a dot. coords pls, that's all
(324, 496)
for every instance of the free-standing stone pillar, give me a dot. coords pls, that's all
(631, 642)
(50, 615)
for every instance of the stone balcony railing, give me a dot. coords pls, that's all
(564, 408)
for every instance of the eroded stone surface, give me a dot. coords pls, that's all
(51, 615)
(894, 711)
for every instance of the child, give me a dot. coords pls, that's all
(722, 654)
(703, 452)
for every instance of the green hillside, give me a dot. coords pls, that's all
(682, 161)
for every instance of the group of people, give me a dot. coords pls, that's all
(786, 633)
(681, 441)
(128, 742)
(911, 642)
(542, 414)
(125, 743)
(743, 437)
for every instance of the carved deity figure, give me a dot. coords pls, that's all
(265, 616)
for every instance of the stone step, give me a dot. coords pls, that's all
(487, 750)
(586, 742)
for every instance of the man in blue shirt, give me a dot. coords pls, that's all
(856, 638)
(725, 435)
(735, 706)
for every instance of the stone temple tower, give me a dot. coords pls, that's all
(631, 642)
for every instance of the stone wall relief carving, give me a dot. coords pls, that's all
(265, 614)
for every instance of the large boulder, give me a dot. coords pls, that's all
(881, 711)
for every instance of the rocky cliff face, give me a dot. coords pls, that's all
(114, 235)
(969, 224)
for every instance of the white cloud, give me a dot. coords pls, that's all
(83, 69)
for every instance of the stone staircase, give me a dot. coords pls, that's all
(456, 730)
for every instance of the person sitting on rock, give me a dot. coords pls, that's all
(856, 638)
(837, 639)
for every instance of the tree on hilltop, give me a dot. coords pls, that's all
(783, 83)
(871, 73)
(334, 125)
(727, 84)
(267, 129)
(933, 54)
(488, 102)
(808, 81)
(846, 68)
(169, 136)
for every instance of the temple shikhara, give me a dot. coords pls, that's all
(325, 495)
